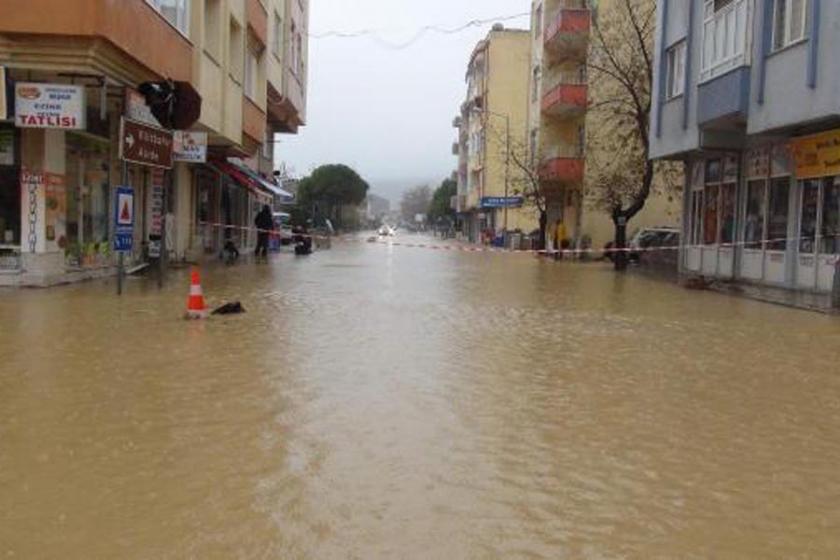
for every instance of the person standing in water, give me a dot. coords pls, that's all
(265, 224)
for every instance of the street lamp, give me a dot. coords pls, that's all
(506, 117)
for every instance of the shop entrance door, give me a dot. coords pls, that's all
(809, 218)
(87, 176)
(9, 207)
(828, 238)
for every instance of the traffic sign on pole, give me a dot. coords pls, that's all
(124, 220)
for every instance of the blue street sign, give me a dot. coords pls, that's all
(502, 202)
(124, 220)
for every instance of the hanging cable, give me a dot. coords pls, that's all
(376, 35)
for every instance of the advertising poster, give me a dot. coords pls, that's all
(50, 106)
(190, 146)
(55, 201)
(32, 193)
(157, 211)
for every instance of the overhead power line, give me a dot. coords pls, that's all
(376, 34)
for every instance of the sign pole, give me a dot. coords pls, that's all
(121, 254)
(162, 258)
(120, 272)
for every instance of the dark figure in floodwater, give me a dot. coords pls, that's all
(234, 308)
(302, 240)
(264, 223)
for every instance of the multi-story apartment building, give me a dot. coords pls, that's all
(245, 59)
(561, 122)
(493, 120)
(746, 96)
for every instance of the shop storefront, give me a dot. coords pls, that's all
(10, 202)
(228, 199)
(769, 216)
(817, 160)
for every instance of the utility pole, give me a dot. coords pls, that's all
(505, 116)
(507, 173)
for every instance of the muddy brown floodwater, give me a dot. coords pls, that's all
(381, 402)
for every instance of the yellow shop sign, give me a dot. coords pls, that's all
(817, 155)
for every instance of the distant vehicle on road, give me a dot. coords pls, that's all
(282, 228)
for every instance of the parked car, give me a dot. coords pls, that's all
(654, 238)
(282, 230)
(649, 238)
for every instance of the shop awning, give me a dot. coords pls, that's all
(249, 179)
(269, 186)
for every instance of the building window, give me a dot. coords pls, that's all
(295, 55)
(808, 221)
(212, 29)
(676, 70)
(277, 38)
(696, 217)
(532, 147)
(754, 222)
(268, 145)
(725, 30)
(710, 215)
(176, 12)
(300, 63)
(235, 51)
(535, 84)
(727, 213)
(790, 20)
(777, 223)
(581, 141)
(830, 228)
(252, 70)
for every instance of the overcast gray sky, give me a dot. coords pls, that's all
(388, 113)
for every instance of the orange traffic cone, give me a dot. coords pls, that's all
(196, 309)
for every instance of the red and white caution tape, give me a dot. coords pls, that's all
(470, 248)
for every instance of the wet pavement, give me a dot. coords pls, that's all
(381, 402)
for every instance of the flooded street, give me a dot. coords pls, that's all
(383, 402)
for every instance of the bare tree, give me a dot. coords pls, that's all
(621, 76)
(525, 181)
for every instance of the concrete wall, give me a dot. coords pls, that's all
(789, 99)
(674, 122)
(507, 94)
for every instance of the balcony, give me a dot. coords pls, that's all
(567, 32)
(567, 97)
(564, 164)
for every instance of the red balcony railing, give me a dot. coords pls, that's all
(564, 166)
(568, 31)
(566, 99)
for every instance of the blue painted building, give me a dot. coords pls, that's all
(747, 94)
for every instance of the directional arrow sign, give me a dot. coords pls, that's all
(145, 145)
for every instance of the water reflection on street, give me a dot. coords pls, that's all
(383, 402)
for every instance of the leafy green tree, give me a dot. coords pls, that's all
(441, 205)
(322, 194)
